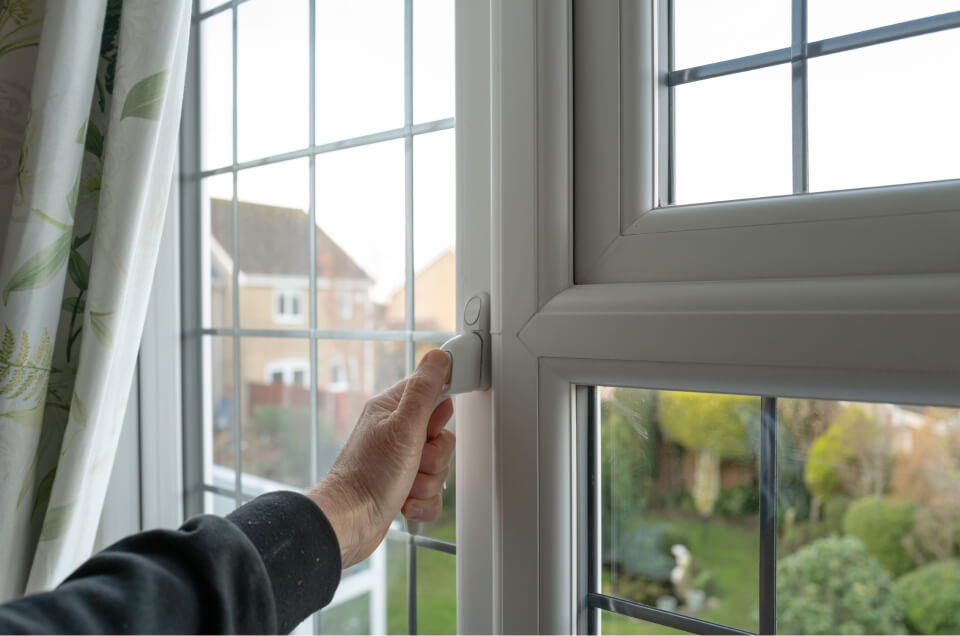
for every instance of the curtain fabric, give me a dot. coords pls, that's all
(97, 127)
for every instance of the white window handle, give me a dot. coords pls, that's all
(469, 351)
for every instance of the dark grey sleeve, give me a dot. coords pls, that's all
(263, 569)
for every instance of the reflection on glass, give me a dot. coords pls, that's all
(869, 499)
(216, 195)
(868, 129)
(216, 91)
(221, 420)
(360, 218)
(349, 373)
(273, 244)
(436, 592)
(829, 18)
(435, 232)
(275, 401)
(708, 31)
(733, 137)
(359, 68)
(273, 61)
(679, 503)
(433, 60)
(206, 5)
(611, 623)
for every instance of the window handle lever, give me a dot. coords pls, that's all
(469, 352)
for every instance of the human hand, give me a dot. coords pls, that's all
(396, 458)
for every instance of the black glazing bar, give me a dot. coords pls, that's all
(594, 546)
(661, 617)
(911, 28)
(768, 515)
(921, 26)
(798, 82)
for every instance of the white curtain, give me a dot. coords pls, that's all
(93, 93)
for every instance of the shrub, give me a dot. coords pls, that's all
(646, 551)
(931, 596)
(882, 524)
(738, 501)
(834, 510)
(834, 586)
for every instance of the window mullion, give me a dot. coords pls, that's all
(798, 55)
(768, 515)
(237, 382)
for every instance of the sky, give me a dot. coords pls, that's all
(359, 64)
(879, 115)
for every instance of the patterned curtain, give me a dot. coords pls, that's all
(90, 96)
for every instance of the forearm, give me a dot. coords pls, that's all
(264, 569)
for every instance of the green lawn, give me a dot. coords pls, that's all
(730, 552)
(436, 585)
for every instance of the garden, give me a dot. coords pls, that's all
(868, 512)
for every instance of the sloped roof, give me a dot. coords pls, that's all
(271, 242)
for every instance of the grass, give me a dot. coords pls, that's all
(436, 585)
(730, 551)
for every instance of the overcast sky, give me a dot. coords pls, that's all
(880, 115)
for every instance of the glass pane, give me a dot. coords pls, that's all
(216, 91)
(360, 242)
(435, 232)
(679, 502)
(396, 585)
(217, 504)
(869, 500)
(276, 415)
(433, 60)
(611, 623)
(206, 5)
(359, 67)
(216, 209)
(710, 31)
(274, 230)
(349, 373)
(221, 419)
(868, 129)
(348, 617)
(436, 592)
(732, 137)
(829, 18)
(273, 62)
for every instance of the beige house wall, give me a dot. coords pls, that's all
(435, 297)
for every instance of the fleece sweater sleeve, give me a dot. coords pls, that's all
(263, 569)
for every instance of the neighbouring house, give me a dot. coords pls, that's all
(434, 300)
(273, 283)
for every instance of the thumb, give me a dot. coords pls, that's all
(423, 388)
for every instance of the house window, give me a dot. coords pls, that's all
(314, 121)
(287, 306)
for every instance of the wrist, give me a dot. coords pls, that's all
(338, 505)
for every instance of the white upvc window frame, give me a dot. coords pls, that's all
(291, 298)
(608, 304)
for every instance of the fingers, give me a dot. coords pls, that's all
(423, 388)
(441, 415)
(423, 509)
(437, 453)
(426, 486)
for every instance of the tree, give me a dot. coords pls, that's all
(715, 428)
(852, 458)
(882, 524)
